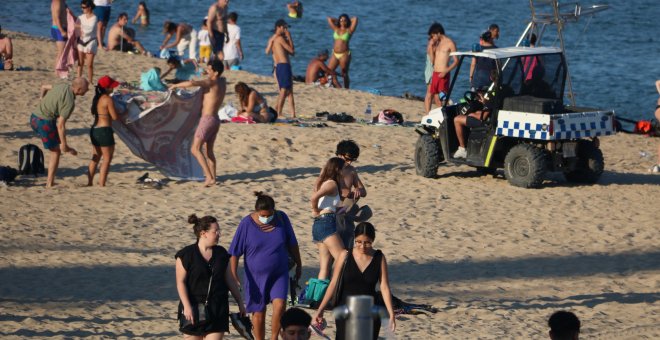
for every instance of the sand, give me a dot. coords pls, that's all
(495, 259)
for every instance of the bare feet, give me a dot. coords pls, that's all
(209, 182)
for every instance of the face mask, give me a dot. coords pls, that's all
(266, 220)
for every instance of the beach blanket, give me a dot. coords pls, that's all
(159, 127)
(69, 56)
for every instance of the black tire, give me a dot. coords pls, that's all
(589, 166)
(427, 156)
(525, 166)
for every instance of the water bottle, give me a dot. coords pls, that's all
(367, 113)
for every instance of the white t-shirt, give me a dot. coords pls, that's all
(230, 50)
(102, 2)
(203, 38)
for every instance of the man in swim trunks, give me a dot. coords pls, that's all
(102, 11)
(441, 65)
(214, 87)
(217, 24)
(319, 73)
(49, 120)
(6, 52)
(121, 38)
(58, 30)
(281, 45)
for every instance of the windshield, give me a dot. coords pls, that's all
(540, 76)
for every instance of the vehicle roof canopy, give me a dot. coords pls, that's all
(509, 52)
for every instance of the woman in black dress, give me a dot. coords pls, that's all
(196, 264)
(365, 267)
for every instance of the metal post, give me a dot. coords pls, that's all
(359, 317)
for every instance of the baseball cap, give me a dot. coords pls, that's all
(107, 82)
(281, 22)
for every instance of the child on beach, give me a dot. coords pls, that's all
(214, 87)
(204, 43)
(101, 134)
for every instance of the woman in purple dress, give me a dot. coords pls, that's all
(266, 238)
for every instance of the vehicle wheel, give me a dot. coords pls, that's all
(589, 166)
(525, 166)
(427, 156)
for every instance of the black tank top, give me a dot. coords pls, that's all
(355, 282)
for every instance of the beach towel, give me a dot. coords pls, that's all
(162, 134)
(227, 112)
(150, 81)
(69, 56)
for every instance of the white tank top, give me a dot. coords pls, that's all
(87, 27)
(102, 2)
(329, 202)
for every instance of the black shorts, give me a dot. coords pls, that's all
(472, 122)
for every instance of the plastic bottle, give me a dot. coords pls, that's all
(367, 113)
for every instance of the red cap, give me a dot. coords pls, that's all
(107, 82)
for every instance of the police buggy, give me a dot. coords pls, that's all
(528, 130)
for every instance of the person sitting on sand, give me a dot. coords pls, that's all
(101, 134)
(6, 52)
(214, 87)
(564, 326)
(186, 69)
(122, 38)
(319, 73)
(185, 37)
(253, 104)
(48, 121)
(295, 324)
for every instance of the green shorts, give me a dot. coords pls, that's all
(102, 136)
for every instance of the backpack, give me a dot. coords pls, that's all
(314, 292)
(30, 160)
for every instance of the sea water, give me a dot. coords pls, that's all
(614, 65)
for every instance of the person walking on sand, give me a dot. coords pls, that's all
(203, 276)
(89, 38)
(265, 238)
(48, 121)
(441, 65)
(217, 24)
(325, 200)
(58, 30)
(101, 133)
(214, 87)
(343, 29)
(281, 45)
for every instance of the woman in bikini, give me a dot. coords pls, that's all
(363, 268)
(89, 38)
(253, 104)
(343, 29)
(142, 14)
(101, 134)
(325, 199)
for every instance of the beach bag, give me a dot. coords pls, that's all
(314, 292)
(389, 117)
(7, 174)
(30, 160)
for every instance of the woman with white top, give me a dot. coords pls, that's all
(89, 37)
(325, 199)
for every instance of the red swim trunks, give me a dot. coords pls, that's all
(439, 84)
(207, 129)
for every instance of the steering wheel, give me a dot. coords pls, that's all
(471, 97)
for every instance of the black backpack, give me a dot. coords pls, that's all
(30, 160)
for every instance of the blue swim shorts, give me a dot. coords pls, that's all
(102, 13)
(324, 225)
(56, 34)
(284, 76)
(47, 131)
(219, 41)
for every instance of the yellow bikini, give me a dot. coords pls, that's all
(345, 37)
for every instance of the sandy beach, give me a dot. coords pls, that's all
(496, 260)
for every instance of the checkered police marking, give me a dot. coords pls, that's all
(566, 126)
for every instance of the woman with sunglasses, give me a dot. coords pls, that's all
(343, 29)
(89, 37)
(363, 267)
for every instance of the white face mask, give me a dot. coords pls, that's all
(266, 220)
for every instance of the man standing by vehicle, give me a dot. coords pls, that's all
(441, 65)
(217, 24)
(49, 119)
(281, 45)
(656, 168)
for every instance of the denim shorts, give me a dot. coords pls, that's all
(324, 225)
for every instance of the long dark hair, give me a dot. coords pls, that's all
(331, 170)
(365, 228)
(201, 224)
(348, 20)
(144, 5)
(243, 92)
(98, 93)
